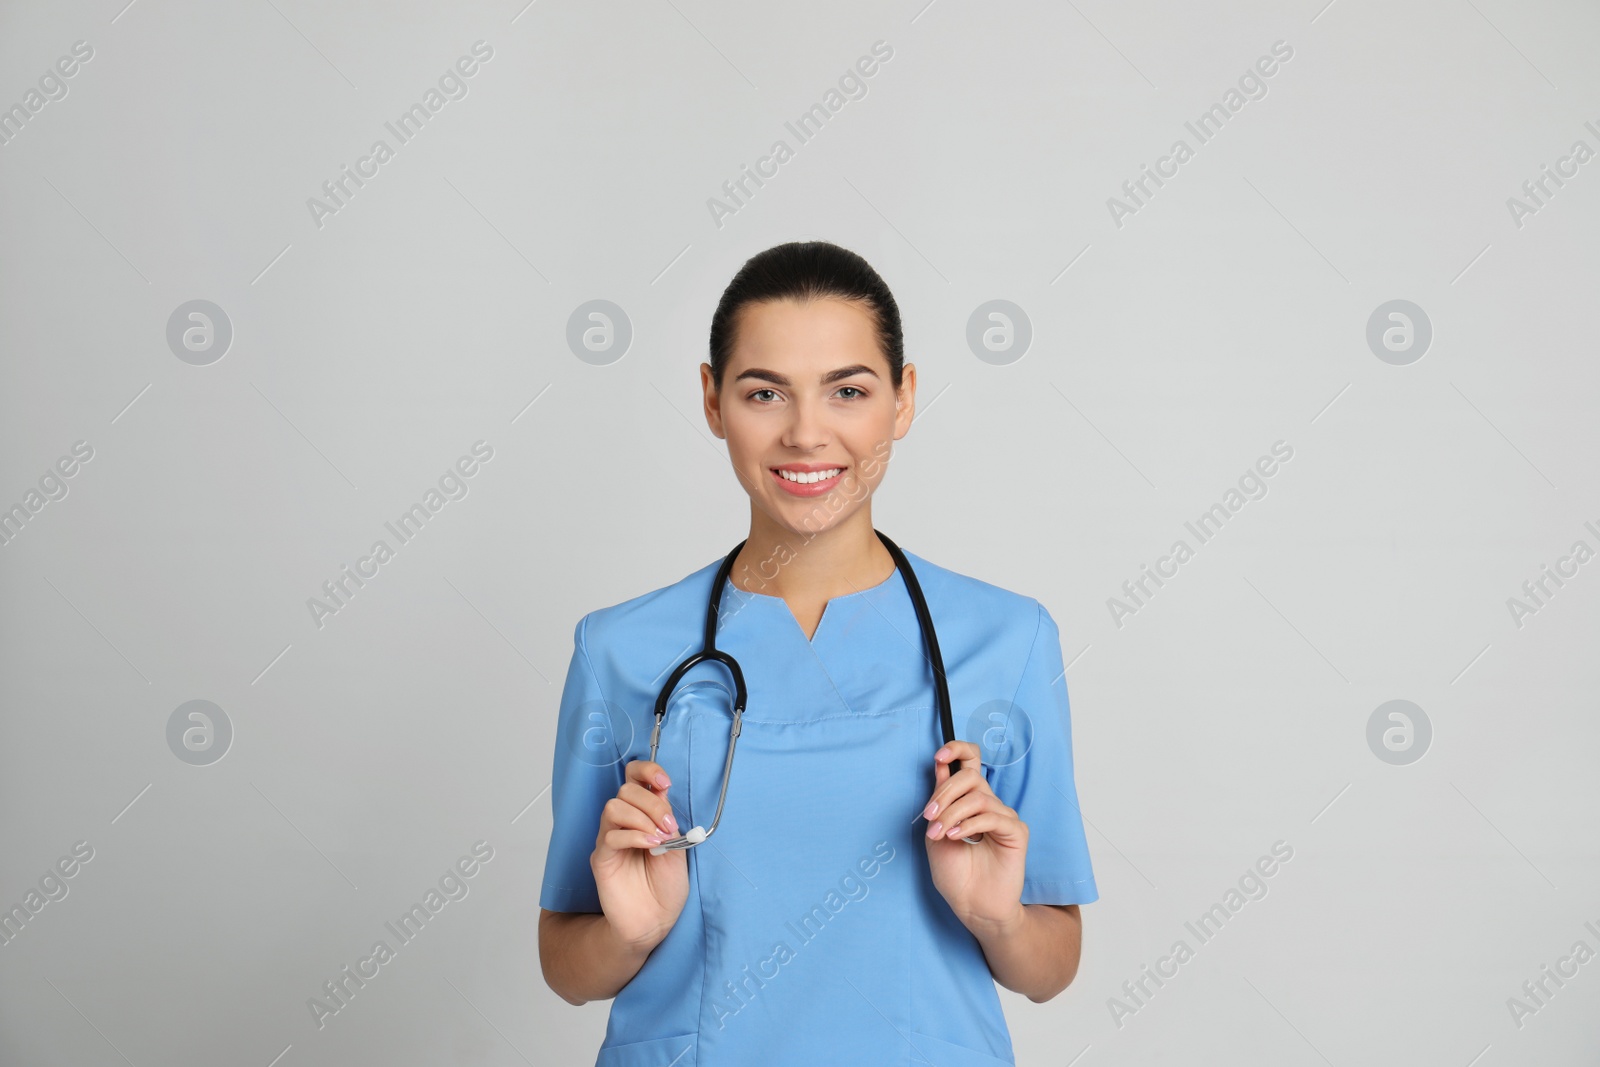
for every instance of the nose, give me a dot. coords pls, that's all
(807, 428)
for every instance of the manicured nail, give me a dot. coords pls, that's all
(931, 810)
(954, 831)
(933, 831)
(661, 780)
(672, 823)
(655, 839)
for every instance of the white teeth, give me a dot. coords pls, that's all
(807, 479)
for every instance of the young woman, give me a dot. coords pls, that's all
(856, 901)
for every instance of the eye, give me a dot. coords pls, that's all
(757, 394)
(858, 390)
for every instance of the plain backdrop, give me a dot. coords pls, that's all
(1176, 334)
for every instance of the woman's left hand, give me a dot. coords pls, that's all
(981, 882)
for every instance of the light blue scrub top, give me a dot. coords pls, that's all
(813, 933)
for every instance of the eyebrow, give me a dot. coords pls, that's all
(832, 376)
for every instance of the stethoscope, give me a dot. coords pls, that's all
(710, 651)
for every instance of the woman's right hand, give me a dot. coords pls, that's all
(641, 895)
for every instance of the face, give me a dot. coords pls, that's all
(808, 410)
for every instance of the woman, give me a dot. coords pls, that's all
(857, 901)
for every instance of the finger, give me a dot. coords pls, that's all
(655, 807)
(648, 773)
(625, 839)
(619, 814)
(948, 786)
(1005, 829)
(964, 807)
(965, 751)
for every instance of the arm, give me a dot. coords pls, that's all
(582, 958)
(1037, 953)
(605, 902)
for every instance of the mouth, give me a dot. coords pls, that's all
(807, 479)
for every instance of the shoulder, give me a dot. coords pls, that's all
(659, 615)
(982, 610)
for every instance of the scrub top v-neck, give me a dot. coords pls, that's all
(740, 596)
(813, 932)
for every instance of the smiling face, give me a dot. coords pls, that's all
(808, 409)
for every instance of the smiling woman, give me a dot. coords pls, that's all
(844, 725)
(801, 433)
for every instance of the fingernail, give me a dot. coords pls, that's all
(672, 823)
(661, 780)
(655, 839)
(933, 831)
(931, 810)
(955, 831)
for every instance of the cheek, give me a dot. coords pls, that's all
(747, 444)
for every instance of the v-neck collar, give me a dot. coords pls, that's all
(779, 603)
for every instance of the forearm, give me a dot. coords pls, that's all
(582, 958)
(1037, 953)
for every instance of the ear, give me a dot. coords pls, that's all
(711, 401)
(905, 403)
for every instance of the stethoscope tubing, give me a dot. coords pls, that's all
(710, 652)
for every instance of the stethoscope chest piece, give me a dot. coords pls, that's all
(709, 652)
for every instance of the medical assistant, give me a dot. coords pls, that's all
(813, 933)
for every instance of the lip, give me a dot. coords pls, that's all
(812, 489)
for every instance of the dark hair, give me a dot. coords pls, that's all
(806, 270)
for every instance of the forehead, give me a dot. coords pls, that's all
(822, 332)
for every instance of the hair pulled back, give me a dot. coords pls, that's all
(803, 271)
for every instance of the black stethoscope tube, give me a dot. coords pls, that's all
(709, 651)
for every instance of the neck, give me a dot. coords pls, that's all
(844, 558)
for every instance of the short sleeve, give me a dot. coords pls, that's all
(587, 770)
(1041, 786)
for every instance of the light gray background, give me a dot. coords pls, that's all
(1167, 355)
